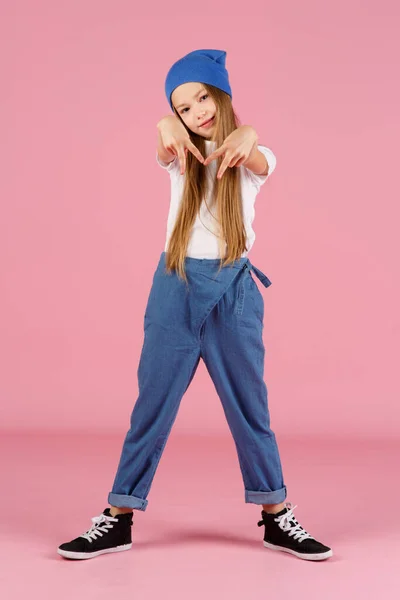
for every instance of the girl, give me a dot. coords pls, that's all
(203, 303)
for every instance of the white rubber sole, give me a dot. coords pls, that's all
(83, 555)
(319, 556)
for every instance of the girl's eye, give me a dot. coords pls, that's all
(205, 96)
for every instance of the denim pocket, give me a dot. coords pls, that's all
(256, 299)
(249, 302)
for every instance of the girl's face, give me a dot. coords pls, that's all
(195, 107)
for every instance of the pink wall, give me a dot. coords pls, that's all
(84, 206)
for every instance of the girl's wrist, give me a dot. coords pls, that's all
(250, 131)
(164, 120)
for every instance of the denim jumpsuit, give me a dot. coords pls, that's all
(219, 318)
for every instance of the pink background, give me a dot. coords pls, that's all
(83, 222)
(85, 204)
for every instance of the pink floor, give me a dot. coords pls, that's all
(198, 539)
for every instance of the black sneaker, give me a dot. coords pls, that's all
(107, 534)
(283, 532)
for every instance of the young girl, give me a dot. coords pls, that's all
(204, 303)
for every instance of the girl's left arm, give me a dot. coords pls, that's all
(256, 160)
(240, 148)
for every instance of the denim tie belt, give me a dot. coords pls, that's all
(260, 275)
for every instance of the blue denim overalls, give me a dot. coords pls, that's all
(219, 318)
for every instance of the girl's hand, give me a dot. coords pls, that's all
(237, 148)
(176, 140)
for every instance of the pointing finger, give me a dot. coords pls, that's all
(214, 155)
(223, 167)
(194, 150)
(182, 160)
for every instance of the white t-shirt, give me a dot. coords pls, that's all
(202, 242)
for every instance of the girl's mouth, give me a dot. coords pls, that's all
(209, 123)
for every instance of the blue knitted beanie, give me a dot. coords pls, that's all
(204, 66)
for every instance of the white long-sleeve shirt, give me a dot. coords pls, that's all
(203, 243)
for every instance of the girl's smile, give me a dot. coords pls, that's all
(208, 123)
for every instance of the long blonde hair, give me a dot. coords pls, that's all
(226, 195)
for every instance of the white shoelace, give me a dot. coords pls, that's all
(97, 527)
(289, 524)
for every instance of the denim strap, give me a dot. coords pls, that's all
(260, 275)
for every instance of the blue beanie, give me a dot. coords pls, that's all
(204, 66)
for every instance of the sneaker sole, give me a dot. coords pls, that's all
(84, 555)
(320, 556)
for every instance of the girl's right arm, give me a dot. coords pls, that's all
(174, 140)
(163, 153)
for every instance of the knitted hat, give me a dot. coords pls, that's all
(205, 66)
